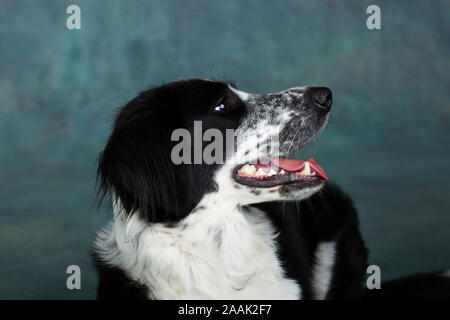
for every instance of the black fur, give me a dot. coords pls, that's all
(137, 167)
(422, 286)
(327, 216)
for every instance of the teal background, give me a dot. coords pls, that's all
(387, 142)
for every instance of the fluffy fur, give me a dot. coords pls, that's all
(191, 231)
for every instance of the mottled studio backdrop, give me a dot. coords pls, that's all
(387, 142)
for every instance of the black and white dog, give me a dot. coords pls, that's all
(254, 226)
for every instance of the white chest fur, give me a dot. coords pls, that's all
(209, 255)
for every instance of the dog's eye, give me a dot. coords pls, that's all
(221, 107)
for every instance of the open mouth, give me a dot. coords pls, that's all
(269, 173)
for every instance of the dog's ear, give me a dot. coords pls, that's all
(135, 166)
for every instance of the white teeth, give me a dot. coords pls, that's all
(260, 172)
(306, 170)
(248, 169)
(251, 169)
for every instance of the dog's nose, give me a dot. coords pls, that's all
(321, 97)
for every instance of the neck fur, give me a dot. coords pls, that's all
(219, 251)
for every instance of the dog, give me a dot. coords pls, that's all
(253, 224)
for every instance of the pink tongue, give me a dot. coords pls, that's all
(291, 164)
(317, 168)
(297, 165)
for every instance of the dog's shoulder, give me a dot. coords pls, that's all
(319, 239)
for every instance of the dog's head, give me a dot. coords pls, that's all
(176, 144)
